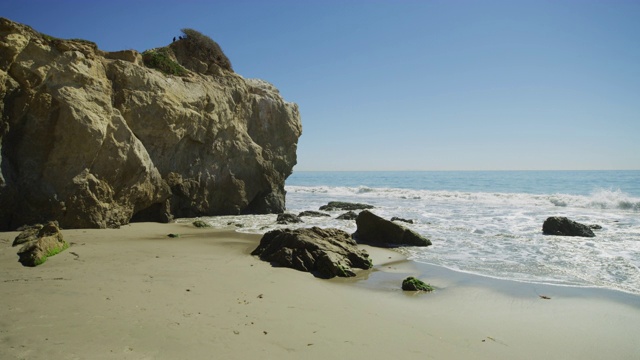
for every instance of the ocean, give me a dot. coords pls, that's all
(489, 223)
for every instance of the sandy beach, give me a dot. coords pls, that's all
(134, 293)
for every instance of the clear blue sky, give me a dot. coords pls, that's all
(412, 85)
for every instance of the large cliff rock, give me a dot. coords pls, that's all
(95, 139)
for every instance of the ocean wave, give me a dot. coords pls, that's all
(599, 199)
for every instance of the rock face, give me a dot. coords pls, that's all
(374, 230)
(94, 139)
(325, 252)
(558, 225)
(39, 242)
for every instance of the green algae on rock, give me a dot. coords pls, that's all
(200, 224)
(40, 242)
(413, 284)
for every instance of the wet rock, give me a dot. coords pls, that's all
(324, 252)
(562, 226)
(349, 215)
(413, 284)
(340, 205)
(200, 224)
(312, 213)
(408, 221)
(374, 230)
(40, 242)
(287, 218)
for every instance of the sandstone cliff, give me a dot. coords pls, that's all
(96, 139)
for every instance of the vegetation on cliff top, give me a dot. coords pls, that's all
(196, 45)
(205, 49)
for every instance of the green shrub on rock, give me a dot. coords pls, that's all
(161, 59)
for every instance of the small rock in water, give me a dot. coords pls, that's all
(340, 205)
(413, 284)
(408, 221)
(376, 231)
(287, 218)
(200, 224)
(560, 225)
(313, 214)
(349, 215)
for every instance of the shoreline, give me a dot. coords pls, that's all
(134, 293)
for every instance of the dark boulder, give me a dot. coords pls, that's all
(559, 225)
(349, 215)
(326, 253)
(340, 205)
(287, 218)
(312, 213)
(413, 284)
(595, 227)
(39, 242)
(374, 230)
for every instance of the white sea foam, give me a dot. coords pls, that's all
(494, 234)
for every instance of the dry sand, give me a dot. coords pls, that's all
(134, 293)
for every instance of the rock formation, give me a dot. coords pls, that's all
(559, 225)
(413, 284)
(341, 205)
(374, 230)
(287, 218)
(408, 221)
(325, 252)
(311, 213)
(39, 242)
(94, 139)
(349, 215)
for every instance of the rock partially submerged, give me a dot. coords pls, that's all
(200, 224)
(560, 225)
(408, 221)
(341, 205)
(312, 213)
(287, 218)
(413, 284)
(324, 252)
(374, 230)
(349, 215)
(40, 242)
